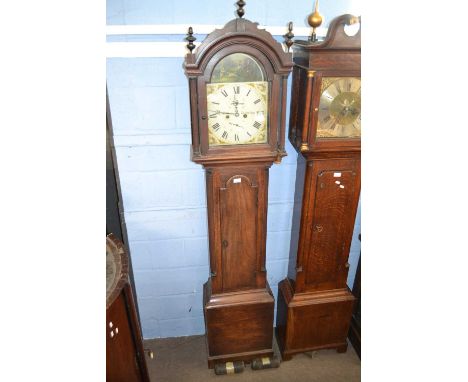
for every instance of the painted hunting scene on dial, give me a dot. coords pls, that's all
(237, 100)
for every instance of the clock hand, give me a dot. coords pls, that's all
(345, 103)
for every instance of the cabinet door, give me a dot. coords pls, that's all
(239, 215)
(334, 194)
(121, 359)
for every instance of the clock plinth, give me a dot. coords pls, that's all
(238, 324)
(312, 320)
(314, 303)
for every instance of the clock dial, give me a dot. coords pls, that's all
(339, 113)
(237, 113)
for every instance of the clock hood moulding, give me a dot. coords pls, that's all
(336, 37)
(238, 36)
(234, 32)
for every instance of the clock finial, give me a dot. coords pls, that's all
(240, 10)
(289, 36)
(190, 38)
(314, 20)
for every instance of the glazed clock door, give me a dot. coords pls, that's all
(334, 193)
(237, 102)
(339, 113)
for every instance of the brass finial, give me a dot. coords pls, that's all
(240, 10)
(289, 36)
(314, 20)
(190, 38)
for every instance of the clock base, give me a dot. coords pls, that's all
(238, 324)
(312, 320)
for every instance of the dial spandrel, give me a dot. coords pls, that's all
(237, 113)
(339, 113)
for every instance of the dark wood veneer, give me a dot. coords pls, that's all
(125, 360)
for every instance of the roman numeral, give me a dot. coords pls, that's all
(216, 127)
(236, 137)
(257, 125)
(257, 101)
(214, 115)
(216, 103)
(338, 87)
(328, 123)
(248, 133)
(236, 89)
(225, 134)
(249, 91)
(224, 92)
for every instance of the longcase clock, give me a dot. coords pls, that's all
(237, 83)
(314, 302)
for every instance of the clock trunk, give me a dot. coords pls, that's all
(315, 305)
(238, 303)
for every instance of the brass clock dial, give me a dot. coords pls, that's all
(237, 113)
(339, 113)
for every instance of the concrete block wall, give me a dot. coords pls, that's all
(163, 192)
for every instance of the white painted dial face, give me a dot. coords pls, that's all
(340, 108)
(237, 113)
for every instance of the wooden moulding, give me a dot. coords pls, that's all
(116, 256)
(125, 358)
(238, 324)
(312, 320)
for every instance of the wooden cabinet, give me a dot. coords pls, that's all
(314, 302)
(124, 348)
(354, 334)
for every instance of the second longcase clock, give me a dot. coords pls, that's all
(314, 302)
(237, 83)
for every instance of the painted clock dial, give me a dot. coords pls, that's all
(339, 113)
(237, 112)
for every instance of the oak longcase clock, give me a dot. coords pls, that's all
(237, 83)
(314, 302)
